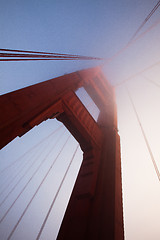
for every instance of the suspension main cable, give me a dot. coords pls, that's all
(27, 56)
(130, 43)
(146, 20)
(41, 52)
(37, 190)
(144, 135)
(15, 55)
(55, 197)
(34, 173)
(44, 59)
(59, 56)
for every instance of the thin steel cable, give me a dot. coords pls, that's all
(44, 178)
(136, 74)
(143, 133)
(29, 150)
(151, 81)
(55, 197)
(32, 159)
(26, 172)
(21, 178)
(145, 20)
(17, 163)
(34, 173)
(23, 164)
(12, 177)
(20, 171)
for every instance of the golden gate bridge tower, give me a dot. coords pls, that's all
(95, 209)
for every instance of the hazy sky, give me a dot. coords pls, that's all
(93, 28)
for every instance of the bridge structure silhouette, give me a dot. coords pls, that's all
(95, 208)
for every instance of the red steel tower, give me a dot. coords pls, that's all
(95, 209)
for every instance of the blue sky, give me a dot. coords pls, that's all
(96, 28)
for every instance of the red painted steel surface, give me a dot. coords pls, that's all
(19, 108)
(95, 210)
(81, 118)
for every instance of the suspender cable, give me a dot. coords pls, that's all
(14, 177)
(136, 74)
(55, 197)
(23, 165)
(34, 173)
(44, 178)
(28, 160)
(33, 159)
(25, 173)
(151, 81)
(144, 135)
(19, 162)
(19, 180)
(30, 150)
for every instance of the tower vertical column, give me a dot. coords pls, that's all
(106, 219)
(77, 217)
